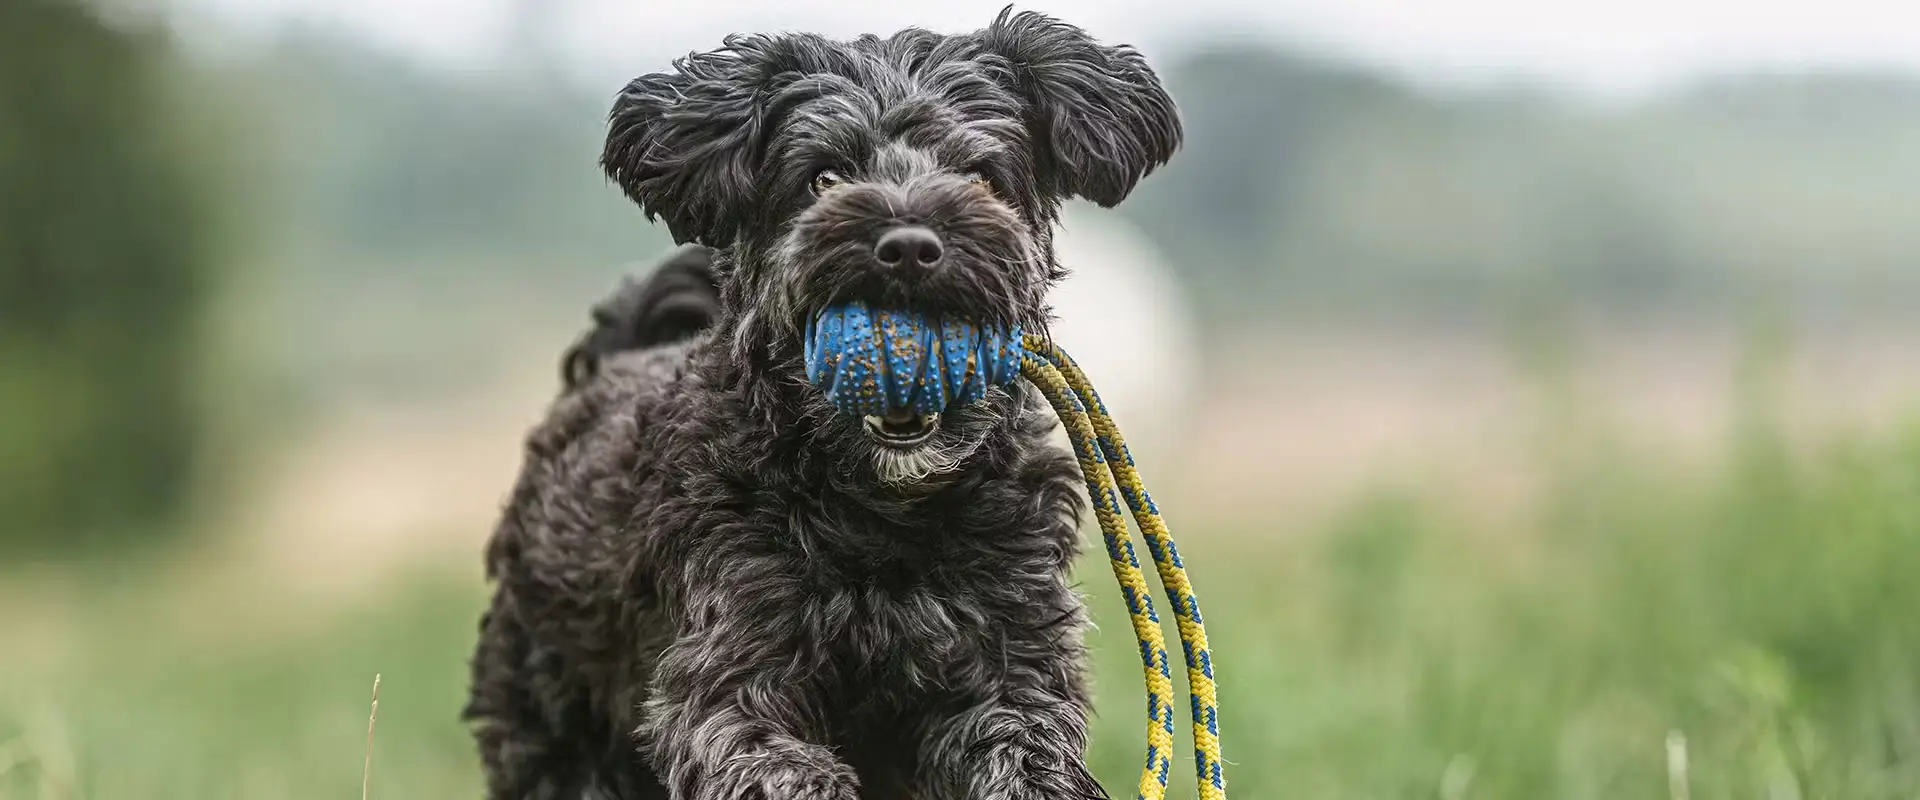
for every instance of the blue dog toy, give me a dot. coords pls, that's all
(873, 362)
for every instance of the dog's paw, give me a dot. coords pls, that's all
(810, 773)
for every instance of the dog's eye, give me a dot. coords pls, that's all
(980, 180)
(827, 179)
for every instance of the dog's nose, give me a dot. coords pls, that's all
(909, 245)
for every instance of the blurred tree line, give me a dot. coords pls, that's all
(1308, 186)
(419, 216)
(106, 266)
(1312, 186)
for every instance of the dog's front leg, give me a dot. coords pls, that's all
(728, 720)
(1026, 742)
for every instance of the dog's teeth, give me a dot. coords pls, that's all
(899, 427)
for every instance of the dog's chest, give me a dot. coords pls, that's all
(904, 634)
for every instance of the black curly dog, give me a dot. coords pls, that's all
(709, 585)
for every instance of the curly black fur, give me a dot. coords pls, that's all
(673, 303)
(704, 588)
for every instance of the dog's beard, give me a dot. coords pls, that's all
(962, 432)
(896, 467)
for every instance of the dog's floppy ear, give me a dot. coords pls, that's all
(1099, 111)
(685, 145)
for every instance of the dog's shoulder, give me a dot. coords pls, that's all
(649, 372)
(673, 302)
(610, 415)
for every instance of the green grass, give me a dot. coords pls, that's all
(1767, 610)
(139, 709)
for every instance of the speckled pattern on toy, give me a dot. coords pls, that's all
(874, 361)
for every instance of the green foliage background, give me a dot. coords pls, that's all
(107, 264)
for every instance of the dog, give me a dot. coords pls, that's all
(709, 584)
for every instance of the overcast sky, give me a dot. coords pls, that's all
(1607, 45)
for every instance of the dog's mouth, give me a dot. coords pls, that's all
(902, 429)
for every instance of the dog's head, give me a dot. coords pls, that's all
(919, 171)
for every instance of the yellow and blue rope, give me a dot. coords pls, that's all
(871, 361)
(1110, 475)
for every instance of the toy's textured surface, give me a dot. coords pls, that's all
(872, 362)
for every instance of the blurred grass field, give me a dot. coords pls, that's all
(1737, 628)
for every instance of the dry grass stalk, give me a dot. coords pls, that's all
(366, 768)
